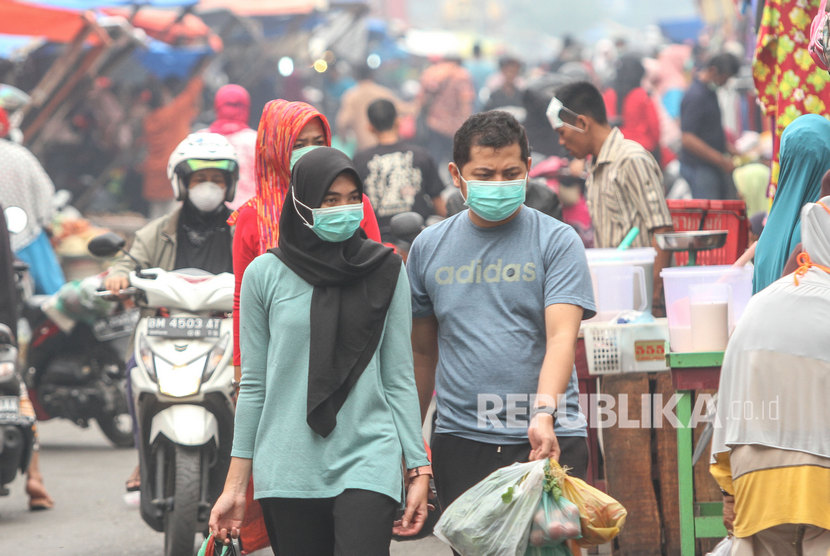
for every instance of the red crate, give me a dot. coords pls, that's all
(709, 214)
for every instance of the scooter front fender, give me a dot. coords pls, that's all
(185, 424)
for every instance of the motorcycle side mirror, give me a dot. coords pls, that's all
(6, 336)
(106, 245)
(16, 219)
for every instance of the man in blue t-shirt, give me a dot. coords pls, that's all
(498, 292)
(705, 159)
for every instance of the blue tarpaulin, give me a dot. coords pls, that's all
(681, 30)
(164, 60)
(9, 44)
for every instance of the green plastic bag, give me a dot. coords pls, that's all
(493, 518)
(555, 521)
(209, 548)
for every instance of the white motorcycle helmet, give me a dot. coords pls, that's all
(199, 151)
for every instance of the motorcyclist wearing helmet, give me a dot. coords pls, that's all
(203, 171)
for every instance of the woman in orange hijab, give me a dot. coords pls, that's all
(283, 127)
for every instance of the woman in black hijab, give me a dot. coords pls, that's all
(328, 405)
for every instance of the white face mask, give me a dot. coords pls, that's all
(206, 196)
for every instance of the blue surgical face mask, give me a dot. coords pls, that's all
(333, 224)
(297, 154)
(495, 200)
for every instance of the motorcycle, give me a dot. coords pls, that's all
(73, 364)
(16, 430)
(556, 174)
(182, 388)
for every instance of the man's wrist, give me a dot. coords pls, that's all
(548, 410)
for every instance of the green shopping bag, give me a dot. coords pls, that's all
(209, 548)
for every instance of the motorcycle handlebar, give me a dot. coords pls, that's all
(109, 296)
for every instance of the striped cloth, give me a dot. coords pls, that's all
(625, 189)
(280, 124)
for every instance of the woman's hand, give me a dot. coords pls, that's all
(416, 508)
(226, 516)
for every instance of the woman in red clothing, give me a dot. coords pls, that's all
(283, 127)
(630, 108)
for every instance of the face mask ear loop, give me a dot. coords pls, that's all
(296, 202)
(460, 177)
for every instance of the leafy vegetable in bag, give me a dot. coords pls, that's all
(556, 521)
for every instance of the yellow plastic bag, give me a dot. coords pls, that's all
(601, 516)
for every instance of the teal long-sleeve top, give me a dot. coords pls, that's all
(377, 425)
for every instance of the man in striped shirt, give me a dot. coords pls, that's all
(625, 185)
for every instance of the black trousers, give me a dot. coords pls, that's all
(458, 463)
(354, 522)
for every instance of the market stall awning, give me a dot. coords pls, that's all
(169, 26)
(258, 7)
(83, 5)
(53, 24)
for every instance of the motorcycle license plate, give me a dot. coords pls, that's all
(115, 326)
(9, 406)
(183, 327)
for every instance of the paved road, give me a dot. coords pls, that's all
(85, 476)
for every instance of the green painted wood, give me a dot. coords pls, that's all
(709, 527)
(693, 360)
(685, 475)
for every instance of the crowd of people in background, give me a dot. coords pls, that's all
(112, 150)
(616, 133)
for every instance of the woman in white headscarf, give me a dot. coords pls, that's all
(771, 447)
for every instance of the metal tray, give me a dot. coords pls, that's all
(684, 241)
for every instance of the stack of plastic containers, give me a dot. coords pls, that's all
(703, 304)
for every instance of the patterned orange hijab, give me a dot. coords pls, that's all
(280, 124)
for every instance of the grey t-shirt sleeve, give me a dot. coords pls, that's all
(567, 278)
(415, 270)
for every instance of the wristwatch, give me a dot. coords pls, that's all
(549, 409)
(418, 471)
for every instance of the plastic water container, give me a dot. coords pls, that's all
(704, 289)
(615, 288)
(642, 257)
